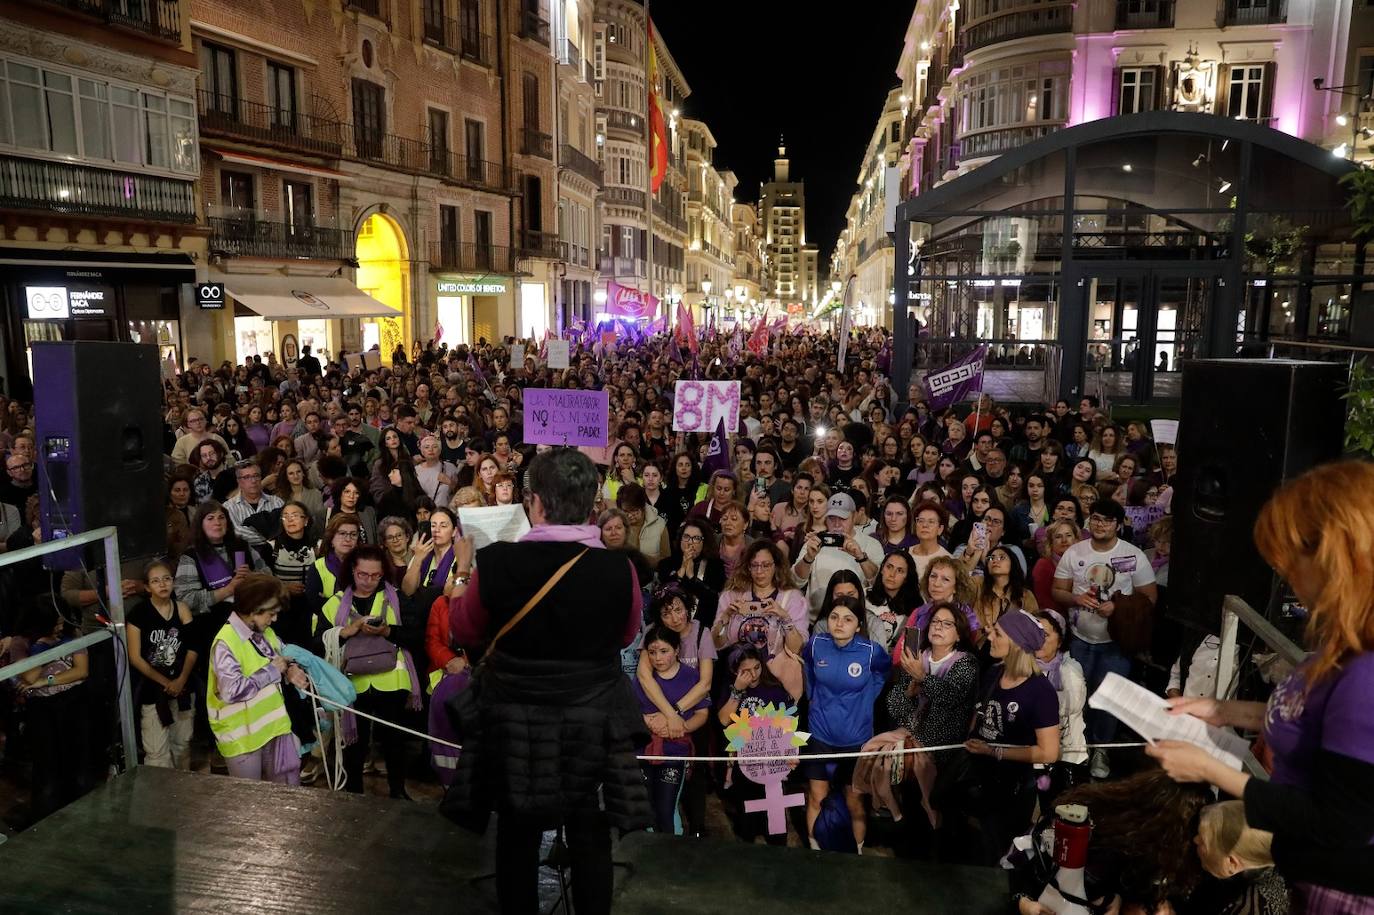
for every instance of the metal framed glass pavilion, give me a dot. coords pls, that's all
(1098, 259)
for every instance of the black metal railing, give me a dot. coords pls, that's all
(534, 27)
(457, 36)
(61, 187)
(569, 54)
(624, 120)
(476, 47)
(538, 244)
(997, 142)
(1024, 22)
(375, 8)
(535, 142)
(674, 219)
(1254, 12)
(469, 257)
(624, 196)
(1144, 14)
(249, 234)
(239, 119)
(572, 158)
(158, 18)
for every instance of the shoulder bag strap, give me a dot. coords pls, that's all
(530, 604)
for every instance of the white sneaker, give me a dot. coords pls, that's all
(1100, 767)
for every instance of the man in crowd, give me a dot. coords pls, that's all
(251, 511)
(19, 483)
(839, 547)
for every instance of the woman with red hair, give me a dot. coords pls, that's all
(1318, 533)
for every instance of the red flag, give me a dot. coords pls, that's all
(686, 328)
(758, 339)
(658, 127)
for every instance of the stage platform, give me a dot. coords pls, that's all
(161, 842)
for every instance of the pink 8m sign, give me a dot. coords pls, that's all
(699, 406)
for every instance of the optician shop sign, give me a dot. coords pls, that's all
(464, 285)
(210, 296)
(57, 303)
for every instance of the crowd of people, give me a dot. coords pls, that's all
(905, 577)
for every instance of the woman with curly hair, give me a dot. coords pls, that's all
(1141, 849)
(1317, 532)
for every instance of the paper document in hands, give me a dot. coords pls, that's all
(1148, 715)
(506, 523)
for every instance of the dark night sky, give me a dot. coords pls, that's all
(842, 60)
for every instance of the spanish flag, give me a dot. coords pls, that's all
(658, 127)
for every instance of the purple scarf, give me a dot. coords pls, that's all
(1051, 670)
(589, 535)
(214, 569)
(334, 564)
(441, 573)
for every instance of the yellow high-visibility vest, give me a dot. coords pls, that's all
(243, 727)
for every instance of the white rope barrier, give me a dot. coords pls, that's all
(902, 751)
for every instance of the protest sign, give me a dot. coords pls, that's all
(558, 354)
(558, 417)
(699, 406)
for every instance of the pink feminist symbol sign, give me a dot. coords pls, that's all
(768, 732)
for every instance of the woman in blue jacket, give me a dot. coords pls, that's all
(845, 673)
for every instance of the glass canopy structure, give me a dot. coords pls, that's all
(1106, 255)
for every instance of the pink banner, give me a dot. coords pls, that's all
(623, 301)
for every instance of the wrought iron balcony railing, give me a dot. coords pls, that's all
(240, 119)
(1254, 12)
(572, 158)
(534, 27)
(536, 143)
(1144, 14)
(468, 257)
(1021, 22)
(245, 233)
(159, 18)
(538, 244)
(70, 189)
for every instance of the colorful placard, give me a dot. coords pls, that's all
(699, 406)
(559, 417)
(769, 732)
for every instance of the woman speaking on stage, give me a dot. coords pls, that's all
(1318, 533)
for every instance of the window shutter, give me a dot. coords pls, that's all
(1116, 91)
(1161, 88)
(1223, 99)
(1267, 93)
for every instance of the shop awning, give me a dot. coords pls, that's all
(291, 298)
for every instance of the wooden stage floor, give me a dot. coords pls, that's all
(161, 842)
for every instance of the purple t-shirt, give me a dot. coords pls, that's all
(1333, 715)
(673, 690)
(1012, 716)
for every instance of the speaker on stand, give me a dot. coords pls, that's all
(1247, 425)
(97, 418)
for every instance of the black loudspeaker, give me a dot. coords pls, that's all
(1246, 426)
(96, 415)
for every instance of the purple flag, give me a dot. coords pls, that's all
(718, 455)
(956, 381)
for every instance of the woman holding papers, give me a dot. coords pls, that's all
(1318, 533)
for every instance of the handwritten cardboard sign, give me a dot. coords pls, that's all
(1165, 430)
(558, 354)
(699, 406)
(556, 417)
(768, 732)
(517, 357)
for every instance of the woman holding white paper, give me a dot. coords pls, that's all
(1318, 533)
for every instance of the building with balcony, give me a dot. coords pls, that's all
(620, 65)
(579, 171)
(749, 253)
(1029, 89)
(371, 178)
(99, 163)
(531, 79)
(710, 231)
(782, 204)
(864, 249)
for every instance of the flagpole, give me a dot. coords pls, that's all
(649, 89)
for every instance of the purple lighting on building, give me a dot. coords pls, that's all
(1091, 84)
